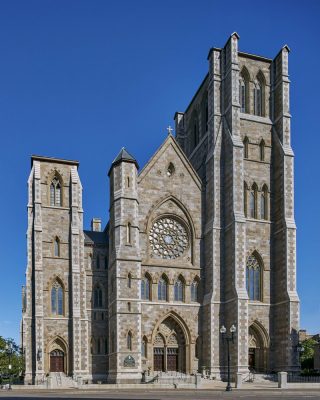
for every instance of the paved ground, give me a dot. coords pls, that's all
(124, 394)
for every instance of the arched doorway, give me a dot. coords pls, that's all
(169, 347)
(258, 348)
(57, 361)
(57, 356)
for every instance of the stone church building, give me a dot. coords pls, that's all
(203, 236)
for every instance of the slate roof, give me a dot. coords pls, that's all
(124, 155)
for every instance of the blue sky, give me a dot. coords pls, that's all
(80, 79)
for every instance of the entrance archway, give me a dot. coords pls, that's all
(57, 356)
(258, 348)
(169, 347)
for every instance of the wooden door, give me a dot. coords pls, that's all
(57, 361)
(172, 359)
(158, 359)
(252, 358)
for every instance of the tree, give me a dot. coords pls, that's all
(307, 354)
(10, 353)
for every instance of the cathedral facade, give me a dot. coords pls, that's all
(203, 236)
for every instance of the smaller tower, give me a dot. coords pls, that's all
(124, 272)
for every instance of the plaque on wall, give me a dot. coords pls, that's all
(129, 361)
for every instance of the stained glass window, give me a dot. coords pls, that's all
(56, 299)
(253, 278)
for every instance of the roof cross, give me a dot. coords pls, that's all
(170, 130)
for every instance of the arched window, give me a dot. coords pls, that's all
(99, 346)
(253, 201)
(258, 95)
(170, 170)
(144, 348)
(105, 346)
(98, 261)
(129, 306)
(128, 181)
(245, 199)
(261, 150)
(97, 297)
(56, 246)
(55, 192)
(179, 290)
(243, 90)
(57, 298)
(129, 341)
(145, 288)
(194, 290)
(246, 147)
(129, 281)
(162, 288)
(129, 233)
(242, 95)
(253, 278)
(264, 203)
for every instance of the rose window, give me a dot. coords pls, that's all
(168, 238)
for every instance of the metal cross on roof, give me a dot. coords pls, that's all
(170, 130)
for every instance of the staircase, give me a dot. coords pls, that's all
(173, 378)
(60, 380)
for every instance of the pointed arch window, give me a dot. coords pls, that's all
(194, 290)
(253, 270)
(261, 150)
(245, 199)
(129, 341)
(97, 297)
(244, 90)
(129, 280)
(56, 246)
(128, 233)
(242, 95)
(170, 170)
(179, 290)
(258, 97)
(253, 201)
(246, 147)
(144, 348)
(264, 203)
(145, 288)
(57, 305)
(162, 288)
(55, 192)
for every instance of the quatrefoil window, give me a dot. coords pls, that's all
(168, 238)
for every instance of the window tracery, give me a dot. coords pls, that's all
(168, 238)
(56, 298)
(253, 272)
(55, 192)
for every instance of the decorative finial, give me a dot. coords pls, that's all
(170, 130)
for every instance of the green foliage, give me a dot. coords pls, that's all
(307, 354)
(10, 353)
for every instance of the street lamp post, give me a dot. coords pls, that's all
(9, 352)
(223, 331)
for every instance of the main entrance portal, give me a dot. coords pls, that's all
(169, 350)
(57, 361)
